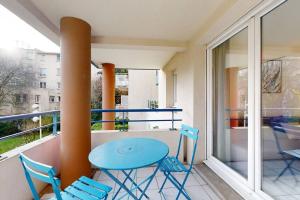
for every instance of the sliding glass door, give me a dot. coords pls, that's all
(230, 102)
(253, 102)
(280, 101)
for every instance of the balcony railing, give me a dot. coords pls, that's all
(54, 122)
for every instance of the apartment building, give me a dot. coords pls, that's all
(35, 81)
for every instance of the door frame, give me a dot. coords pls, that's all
(211, 160)
(248, 188)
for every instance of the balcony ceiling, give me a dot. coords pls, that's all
(157, 29)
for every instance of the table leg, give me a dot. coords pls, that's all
(127, 177)
(119, 183)
(134, 183)
(150, 180)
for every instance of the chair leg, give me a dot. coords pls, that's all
(288, 167)
(182, 185)
(162, 186)
(175, 182)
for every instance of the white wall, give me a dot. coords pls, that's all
(141, 88)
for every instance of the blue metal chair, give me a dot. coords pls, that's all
(84, 188)
(288, 156)
(171, 164)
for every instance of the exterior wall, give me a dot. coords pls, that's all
(141, 88)
(50, 62)
(162, 89)
(34, 60)
(190, 67)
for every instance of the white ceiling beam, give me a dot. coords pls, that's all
(146, 44)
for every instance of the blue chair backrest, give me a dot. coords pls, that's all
(191, 133)
(283, 129)
(42, 172)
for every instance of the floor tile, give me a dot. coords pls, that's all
(210, 193)
(195, 193)
(153, 185)
(195, 185)
(145, 172)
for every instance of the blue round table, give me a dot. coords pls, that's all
(129, 154)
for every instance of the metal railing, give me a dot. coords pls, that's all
(55, 116)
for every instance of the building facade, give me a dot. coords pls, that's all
(37, 80)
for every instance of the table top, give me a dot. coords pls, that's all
(131, 153)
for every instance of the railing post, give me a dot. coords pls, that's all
(172, 121)
(54, 121)
(40, 126)
(123, 116)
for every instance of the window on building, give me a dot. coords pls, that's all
(43, 72)
(43, 85)
(57, 71)
(174, 88)
(58, 85)
(58, 98)
(51, 99)
(18, 98)
(37, 98)
(21, 98)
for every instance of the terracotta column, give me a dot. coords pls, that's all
(108, 94)
(75, 144)
(232, 74)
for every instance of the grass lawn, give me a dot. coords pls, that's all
(11, 143)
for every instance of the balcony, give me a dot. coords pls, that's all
(46, 150)
(233, 66)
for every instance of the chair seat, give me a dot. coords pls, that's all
(172, 164)
(85, 189)
(294, 153)
(65, 196)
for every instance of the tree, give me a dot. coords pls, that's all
(15, 79)
(97, 93)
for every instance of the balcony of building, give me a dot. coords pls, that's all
(232, 66)
(44, 143)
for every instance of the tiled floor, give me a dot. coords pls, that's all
(197, 188)
(287, 187)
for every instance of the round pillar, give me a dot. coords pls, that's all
(108, 95)
(75, 144)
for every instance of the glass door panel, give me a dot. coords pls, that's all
(230, 102)
(280, 101)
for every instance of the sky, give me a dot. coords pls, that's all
(17, 33)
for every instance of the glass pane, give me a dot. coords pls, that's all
(230, 80)
(280, 69)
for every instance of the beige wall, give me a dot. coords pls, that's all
(190, 69)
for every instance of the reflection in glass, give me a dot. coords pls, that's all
(280, 75)
(230, 85)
